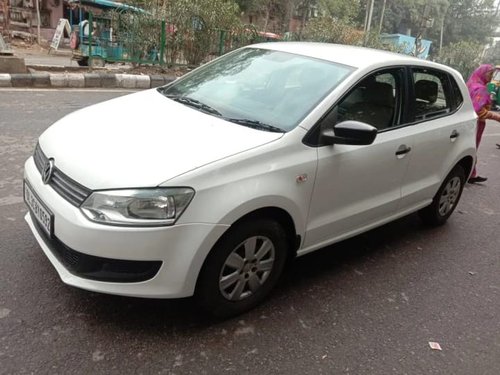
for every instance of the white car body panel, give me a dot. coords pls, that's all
(349, 192)
(330, 192)
(152, 123)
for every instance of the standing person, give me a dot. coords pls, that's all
(481, 100)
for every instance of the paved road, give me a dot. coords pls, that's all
(369, 305)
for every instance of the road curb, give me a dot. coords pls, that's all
(83, 80)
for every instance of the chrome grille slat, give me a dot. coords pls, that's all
(66, 190)
(39, 158)
(66, 187)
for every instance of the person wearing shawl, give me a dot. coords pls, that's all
(481, 99)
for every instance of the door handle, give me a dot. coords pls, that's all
(402, 150)
(454, 135)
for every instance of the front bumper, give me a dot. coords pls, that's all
(162, 262)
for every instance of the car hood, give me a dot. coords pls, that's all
(142, 140)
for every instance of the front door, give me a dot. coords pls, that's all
(359, 186)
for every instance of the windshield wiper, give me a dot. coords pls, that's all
(255, 124)
(194, 103)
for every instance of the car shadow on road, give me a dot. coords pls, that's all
(310, 271)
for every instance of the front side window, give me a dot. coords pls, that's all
(375, 101)
(432, 97)
(258, 86)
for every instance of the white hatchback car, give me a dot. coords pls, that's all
(208, 185)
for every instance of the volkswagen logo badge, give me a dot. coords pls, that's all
(47, 171)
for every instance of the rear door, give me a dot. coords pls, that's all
(437, 131)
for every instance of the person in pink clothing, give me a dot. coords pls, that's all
(481, 100)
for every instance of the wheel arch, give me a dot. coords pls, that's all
(278, 214)
(467, 163)
(282, 217)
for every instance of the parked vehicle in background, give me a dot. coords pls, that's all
(494, 89)
(100, 39)
(210, 185)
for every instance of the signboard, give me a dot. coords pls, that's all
(61, 25)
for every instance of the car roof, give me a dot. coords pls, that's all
(358, 57)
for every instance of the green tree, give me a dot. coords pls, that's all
(197, 25)
(469, 20)
(464, 56)
(330, 30)
(492, 55)
(345, 10)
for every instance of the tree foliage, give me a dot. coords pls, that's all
(330, 30)
(345, 10)
(492, 55)
(464, 56)
(195, 22)
(464, 23)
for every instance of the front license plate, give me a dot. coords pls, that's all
(42, 215)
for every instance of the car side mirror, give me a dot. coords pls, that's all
(349, 133)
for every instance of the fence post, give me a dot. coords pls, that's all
(222, 39)
(162, 43)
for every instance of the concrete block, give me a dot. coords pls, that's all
(5, 80)
(92, 80)
(157, 80)
(21, 80)
(108, 80)
(128, 81)
(59, 80)
(143, 82)
(12, 64)
(76, 80)
(41, 79)
(119, 80)
(169, 79)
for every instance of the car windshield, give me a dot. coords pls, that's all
(268, 90)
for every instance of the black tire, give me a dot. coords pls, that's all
(83, 62)
(446, 199)
(97, 62)
(247, 279)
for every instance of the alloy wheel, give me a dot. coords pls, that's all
(450, 195)
(247, 268)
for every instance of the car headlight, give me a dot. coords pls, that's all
(137, 207)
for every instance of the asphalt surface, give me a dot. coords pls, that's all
(369, 305)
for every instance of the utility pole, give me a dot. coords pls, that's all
(382, 17)
(38, 21)
(441, 36)
(4, 8)
(368, 18)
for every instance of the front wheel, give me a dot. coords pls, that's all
(242, 268)
(446, 199)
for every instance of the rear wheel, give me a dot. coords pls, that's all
(242, 268)
(97, 62)
(446, 199)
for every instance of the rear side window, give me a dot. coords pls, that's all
(433, 97)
